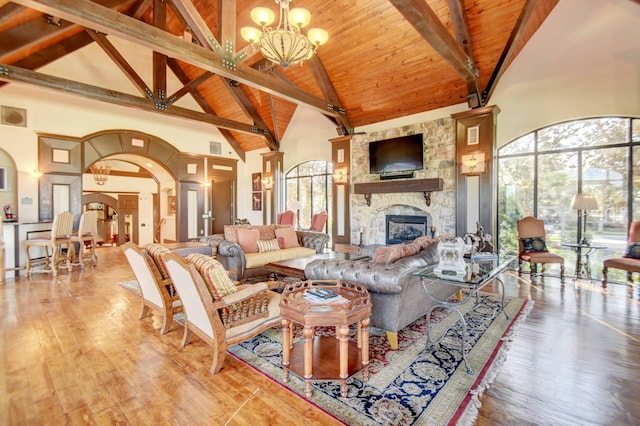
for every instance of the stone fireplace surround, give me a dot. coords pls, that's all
(439, 155)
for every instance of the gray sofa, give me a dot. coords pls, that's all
(397, 295)
(232, 257)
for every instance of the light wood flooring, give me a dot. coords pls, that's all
(72, 351)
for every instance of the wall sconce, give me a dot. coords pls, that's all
(340, 176)
(472, 164)
(267, 183)
(36, 173)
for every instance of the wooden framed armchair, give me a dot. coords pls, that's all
(532, 247)
(627, 262)
(155, 290)
(59, 242)
(87, 237)
(231, 319)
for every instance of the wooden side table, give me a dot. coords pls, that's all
(320, 360)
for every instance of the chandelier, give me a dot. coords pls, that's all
(285, 45)
(100, 171)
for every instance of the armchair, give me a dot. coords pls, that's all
(318, 221)
(228, 320)
(156, 290)
(532, 247)
(287, 218)
(628, 262)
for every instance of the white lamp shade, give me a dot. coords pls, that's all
(250, 34)
(297, 205)
(584, 202)
(318, 36)
(262, 16)
(299, 17)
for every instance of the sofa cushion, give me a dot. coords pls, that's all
(155, 250)
(267, 232)
(289, 236)
(268, 245)
(248, 240)
(533, 245)
(257, 260)
(392, 253)
(231, 232)
(213, 274)
(633, 251)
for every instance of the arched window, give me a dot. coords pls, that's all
(310, 184)
(540, 172)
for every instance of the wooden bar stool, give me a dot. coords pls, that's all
(86, 238)
(60, 244)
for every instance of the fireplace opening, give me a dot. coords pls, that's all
(401, 228)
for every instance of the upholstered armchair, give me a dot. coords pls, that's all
(630, 261)
(217, 311)
(532, 247)
(157, 291)
(287, 218)
(318, 221)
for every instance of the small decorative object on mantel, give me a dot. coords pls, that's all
(361, 232)
(480, 242)
(451, 254)
(433, 231)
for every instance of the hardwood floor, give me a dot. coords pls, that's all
(73, 351)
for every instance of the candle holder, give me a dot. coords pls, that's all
(360, 245)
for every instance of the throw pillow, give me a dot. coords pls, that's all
(268, 245)
(155, 250)
(231, 232)
(393, 253)
(633, 251)
(248, 240)
(213, 274)
(281, 242)
(267, 232)
(534, 244)
(289, 236)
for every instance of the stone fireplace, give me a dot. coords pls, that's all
(401, 228)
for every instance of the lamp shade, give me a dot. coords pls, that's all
(584, 202)
(297, 205)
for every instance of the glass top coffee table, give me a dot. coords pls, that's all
(479, 273)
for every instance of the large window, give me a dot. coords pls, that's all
(310, 183)
(539, 173)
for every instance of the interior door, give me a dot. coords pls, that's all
(222, 205)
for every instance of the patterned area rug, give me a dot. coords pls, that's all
(414, 385)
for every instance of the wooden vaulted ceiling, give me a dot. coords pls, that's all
(384, 58)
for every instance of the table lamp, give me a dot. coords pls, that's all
(296, 207)
(582, 203)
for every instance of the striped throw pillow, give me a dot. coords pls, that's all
(268, 245)
(213, 274)
(155, 250)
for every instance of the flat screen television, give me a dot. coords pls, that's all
(401, 154)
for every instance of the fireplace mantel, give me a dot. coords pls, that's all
(425, 186)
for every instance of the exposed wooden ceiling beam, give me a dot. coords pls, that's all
(189, 86)
(204, 104)
(121, 62)
(94, 16)
(236, 91)
(426, 22)
(509, 48)
(14, 74)
(328, 90)
(463, 35)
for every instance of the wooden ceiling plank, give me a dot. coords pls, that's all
(91, 15)
(203, 103)
(425, 21)
(121, 62)
(509, 48)
(14, 74)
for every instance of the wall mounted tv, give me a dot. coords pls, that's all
(396, 155)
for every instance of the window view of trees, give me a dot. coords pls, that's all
(310, 183)
(539, 173)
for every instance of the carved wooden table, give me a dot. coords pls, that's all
(320, 360)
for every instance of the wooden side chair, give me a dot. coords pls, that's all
(87, 237)
(155, 290)
(59, 243)
(218, 312)
(630, 261)
(532, 247)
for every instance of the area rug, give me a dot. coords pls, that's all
(414, 385)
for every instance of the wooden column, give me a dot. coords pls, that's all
(475, 179)
(341, 212)
(273, 198)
